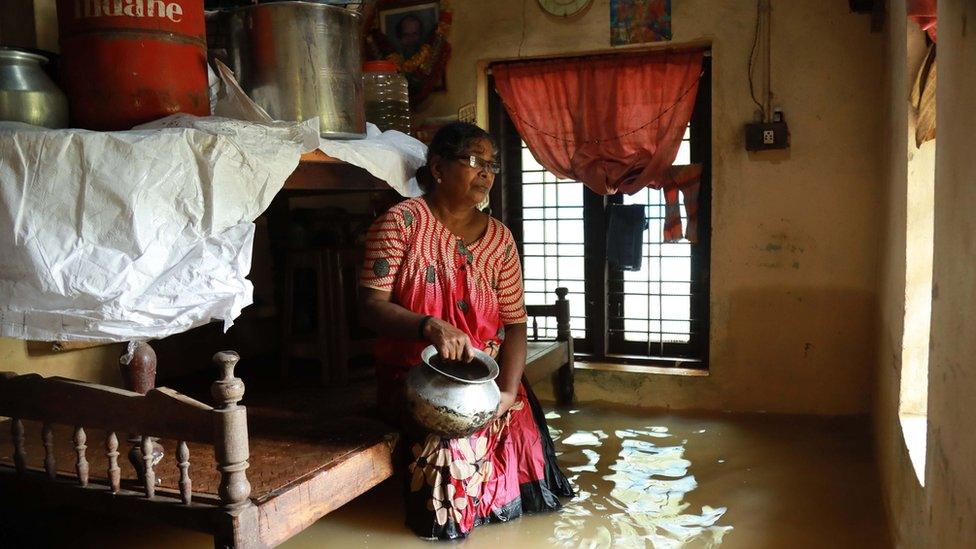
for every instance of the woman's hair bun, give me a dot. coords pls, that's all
(424, 178)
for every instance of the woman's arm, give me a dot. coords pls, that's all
(385, 317)
(385, 250)
(512, 364)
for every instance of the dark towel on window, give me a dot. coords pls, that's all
(625, 236)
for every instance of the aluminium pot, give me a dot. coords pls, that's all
(299, 60)
(27, 94)
(453, 401)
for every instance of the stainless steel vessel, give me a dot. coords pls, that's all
(299, 60)
(449, 403)
(27, 94)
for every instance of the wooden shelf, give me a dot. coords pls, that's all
(318, 171)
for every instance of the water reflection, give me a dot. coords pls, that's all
(634, 497)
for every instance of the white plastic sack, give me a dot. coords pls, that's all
(391, 156)
(138, 234)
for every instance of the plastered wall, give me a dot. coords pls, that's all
(98, 364)
(940, 514)
(904, 496)
(795, 235)
(952, 380)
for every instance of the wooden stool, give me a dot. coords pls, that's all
(320, 343)
(336, 295)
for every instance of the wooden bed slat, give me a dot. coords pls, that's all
(277, 460)
(162, 412)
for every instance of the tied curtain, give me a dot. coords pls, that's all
(613, 122)
(923, 12)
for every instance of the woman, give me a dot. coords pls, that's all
(439, 271)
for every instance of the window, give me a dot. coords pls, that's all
(919, 241)
(656, 315)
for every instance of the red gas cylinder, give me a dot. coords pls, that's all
(127, 62)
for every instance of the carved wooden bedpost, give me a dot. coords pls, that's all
(564, 377)
(231, 451)
(138, 367)
(240, 525)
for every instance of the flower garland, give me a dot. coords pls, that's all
(425, 70)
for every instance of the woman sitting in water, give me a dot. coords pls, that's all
(439, 271)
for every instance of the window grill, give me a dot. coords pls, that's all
(552, 242)
(650, 311)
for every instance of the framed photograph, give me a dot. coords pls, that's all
(410, 27)
(414, 35)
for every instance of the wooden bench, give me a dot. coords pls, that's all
(251, 478)
(552, 359)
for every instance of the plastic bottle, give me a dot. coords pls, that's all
(387, 102)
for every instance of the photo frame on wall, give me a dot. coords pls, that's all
(639, 21)
(414, 35)
(409, 27)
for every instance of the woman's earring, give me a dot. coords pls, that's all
(438, 180)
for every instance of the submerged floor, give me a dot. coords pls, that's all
(644, 479)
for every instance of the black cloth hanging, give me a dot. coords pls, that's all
(625, 236)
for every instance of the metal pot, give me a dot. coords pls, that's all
(447, 403)
(27, 94)
(299, 60)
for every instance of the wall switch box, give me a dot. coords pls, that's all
(763, 136)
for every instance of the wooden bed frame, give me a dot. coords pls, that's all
(552, 358)
(247, 490)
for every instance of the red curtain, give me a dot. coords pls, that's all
(923, 12)
(613, 122)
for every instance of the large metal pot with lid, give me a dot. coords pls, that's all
(26, 93)
(452, 399)
(299, 60)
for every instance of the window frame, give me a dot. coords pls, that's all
(599, 345)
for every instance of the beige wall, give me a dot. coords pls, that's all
(951, 466)
(99, 364)
(904, 496)
(941, 514)
(794, 235)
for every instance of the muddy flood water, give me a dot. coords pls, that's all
(643, 479)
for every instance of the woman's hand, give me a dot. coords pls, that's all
(506, 402)
(451, 343)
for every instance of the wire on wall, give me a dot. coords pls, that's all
(522, 39)
(760, 28)
(763, 33)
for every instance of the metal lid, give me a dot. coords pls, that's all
(488, 367)
(21, 54)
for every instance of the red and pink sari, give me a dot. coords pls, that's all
(507, 468)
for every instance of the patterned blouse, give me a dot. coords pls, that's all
(477, 286)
